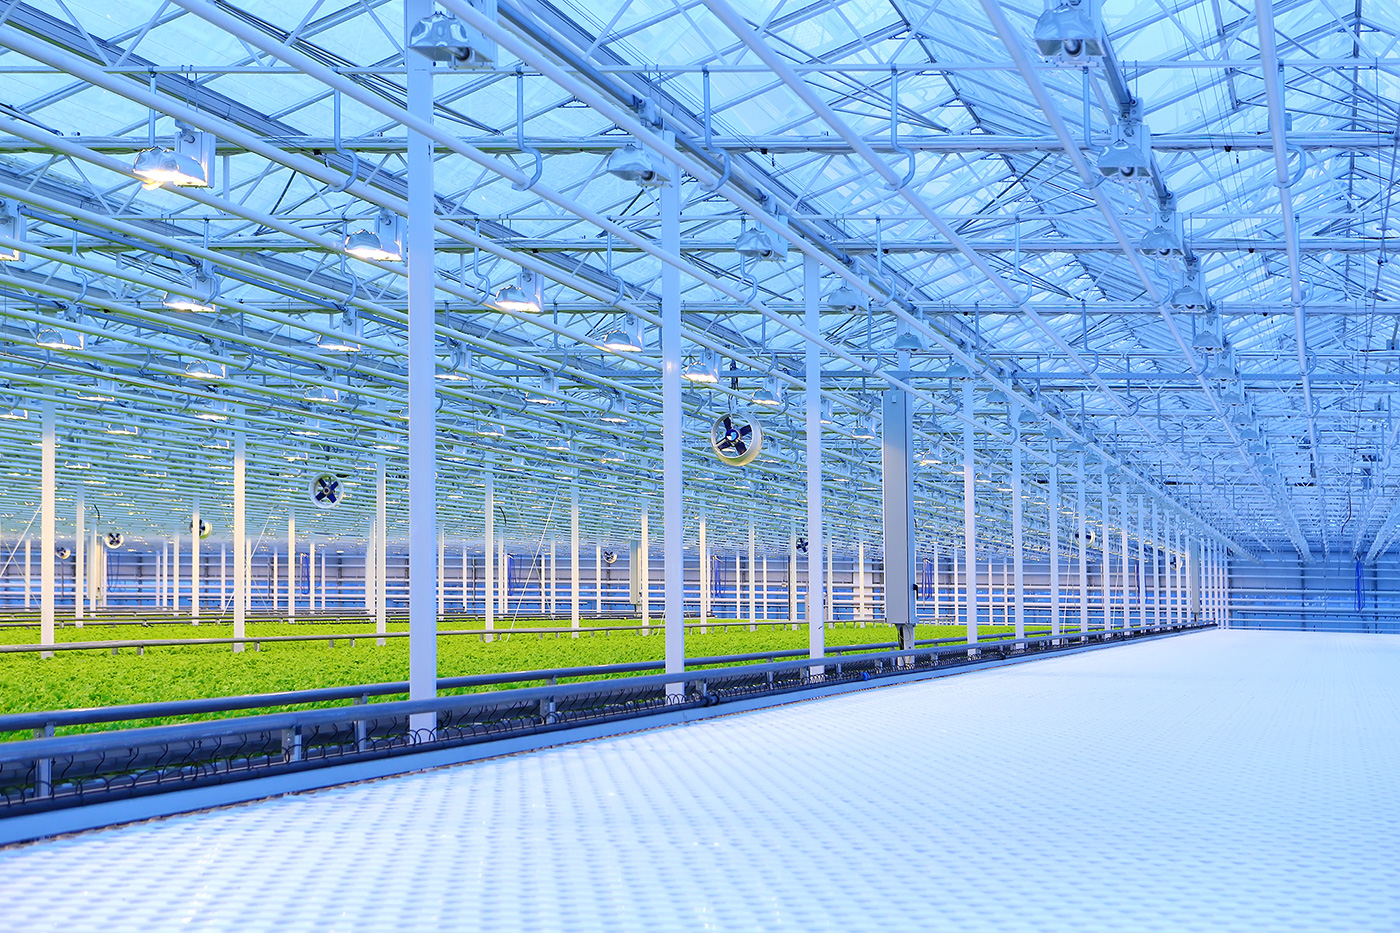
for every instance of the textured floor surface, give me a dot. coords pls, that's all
(1218, 781)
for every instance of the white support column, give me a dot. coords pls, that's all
(1105, 568)
(1017, 529)
(489, 556)
(828, 614)
(704, 577)
(763, 588)
(818, 603)
(1053, 524)
(575, 586)
(553, 556)
(223, 578)
(381, 547)
(792, 575)
(644, 575)
(466, 577)
(194, 563)
(48, 511)
(310, 574)
(598, 579)
(175, 572)
(240, 535)
(862, 588)
(422, 385)
(1156, 552)
(79, 553)
(753, 592)
(969, 511)
(291, 566)
(672, 442)
(441, 572)
(1141, 581)
(29, 564)
(1124, 522)
(160, 577)
(1081, 509)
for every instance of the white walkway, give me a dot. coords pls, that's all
(1224, 781)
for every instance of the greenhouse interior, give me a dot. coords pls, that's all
(576, 458)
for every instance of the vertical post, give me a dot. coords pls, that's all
(310, 574)
(818, 606)
(194, 562)
(489, 557)
(598, 579)
(1054, 527)
(792, 575)
(1081, 508)
(1104, 551)
(160, 577)
(466, 577)
(829, 612)
(753, 593)
(862, 592)
(422, 386)
(897, 506)
(1156, 552)
(969, 511)
(381, 546)
(441, 572)
(704, 577)
(763, 588)
(1141, 563)
(672, 443)
(175, 572)
(240, 535)
(291, 565)
(1124, 521)
(29, 562)
(575, 589)
(79, 553)
(48, 509)
(644, 575)
(1017, 529)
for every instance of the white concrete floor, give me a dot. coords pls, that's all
(1218, 781)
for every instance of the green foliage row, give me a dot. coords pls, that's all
(77, 679)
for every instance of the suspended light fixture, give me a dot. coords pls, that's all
(847, 298)
(635, 164)
(459, 369)
(381, 241)
(204, 286)
(216, 411)
(1191, 295)
(760, 244)
(491, 426)
(908, 341)
(52, 337)
(1129, 156)
(524, 296)
(549, 388)
(563, 445)
(188, 165)
(214, 442)
(14, 226)
(443, 37)
(206, 370)
(13, 413)
(770, 395)
(866, 428)
(120, 429)
(322, 395)
(1165, 238)
(703, 371)
(618, 410)
(1070, 31)
(827, 414)
(625, 339)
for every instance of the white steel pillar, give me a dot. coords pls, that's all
(175, 573)
(1156, 552)
(1053, 525)
(575, 589)
(644, 575)
(291, 565)
(79, 553)
(598, 579)
(381, 547)
(29, 561)
(1124, 522)
(1081, 510)
(969, 511)
(422, 386)
(818, 605)
(704, 577)
(792, 575)
(672, 443)
(1105, 568)
(1017, 531)
(862, 589)
(194, 563)
(240, 535)
(753, 591)
(489, 548)
(310, 574)
(441, 572)
(48, 510)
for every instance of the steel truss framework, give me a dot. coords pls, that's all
(921, 154)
